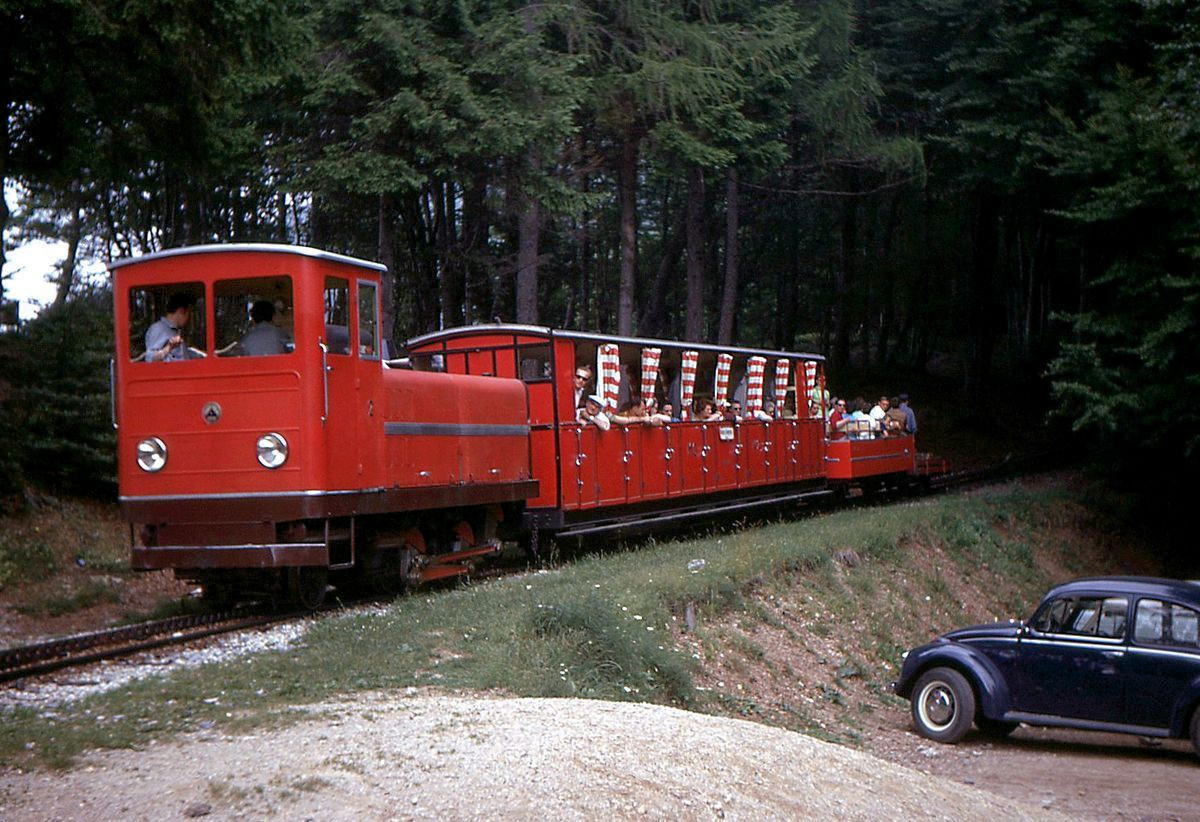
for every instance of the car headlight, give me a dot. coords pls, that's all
(272, 450)
(151, 454)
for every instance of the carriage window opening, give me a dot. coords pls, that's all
(337, 315)
(151, 306)
(254, 316)
(368, 321)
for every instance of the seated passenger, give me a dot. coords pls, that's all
(838, 418)
(862, 426)
(733, 412)
(707, 411)
(910, 419)
(636, 413)
(582, 381)
(766, 413)
(668, 411)
(894, 422)
(879, 413)
(593, 412)
(264, 337)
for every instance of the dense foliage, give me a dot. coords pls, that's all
(1005, 185)
(55, 400)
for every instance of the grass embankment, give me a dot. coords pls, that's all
(790, 621)
(62, 556)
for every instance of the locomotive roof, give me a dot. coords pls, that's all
(586, 336)
(268, 248)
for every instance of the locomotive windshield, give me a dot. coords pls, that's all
(252, 317)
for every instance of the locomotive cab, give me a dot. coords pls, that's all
(244, 377)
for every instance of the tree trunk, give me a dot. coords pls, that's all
(627, 195)
(528, 226)
(887, 287)
(66, 275)
(730, 296)
(386, 249)
(476, 293)
(694, 322)
(983, 274)
(843, 276)
(6, 112)
(654, 321)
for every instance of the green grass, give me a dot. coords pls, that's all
(90, 593)
(603, 626)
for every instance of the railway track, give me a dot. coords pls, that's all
(113, 643)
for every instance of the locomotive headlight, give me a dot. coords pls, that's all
(151, 454)
(272, 450)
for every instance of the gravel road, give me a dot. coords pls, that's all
(414, 756)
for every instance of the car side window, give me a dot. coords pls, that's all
(1083, 615)
(1165, 623)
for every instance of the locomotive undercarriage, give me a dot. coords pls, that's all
(379, 554)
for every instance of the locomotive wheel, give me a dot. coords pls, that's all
(389, 571)
(306, 585)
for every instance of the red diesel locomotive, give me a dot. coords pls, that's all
(261, 469)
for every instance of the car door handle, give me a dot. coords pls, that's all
(1112, 654)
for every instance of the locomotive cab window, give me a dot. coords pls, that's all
(368, 321)
(337, 315)
(254, 317)
(167, 322)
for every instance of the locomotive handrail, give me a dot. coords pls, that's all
(112, 391)
(324, 378)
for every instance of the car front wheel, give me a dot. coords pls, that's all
(943, 705)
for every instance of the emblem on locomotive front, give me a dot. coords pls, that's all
(211, 412)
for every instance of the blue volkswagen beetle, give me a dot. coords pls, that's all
(1117, 654)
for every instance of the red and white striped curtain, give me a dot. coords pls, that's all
(810, 386)
(756, 368)
(608, 366)
(721, 382)
(687, 382)
(781, 384)
(650, 357)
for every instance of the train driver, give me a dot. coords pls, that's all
(164, 338)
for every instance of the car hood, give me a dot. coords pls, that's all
(992, 630)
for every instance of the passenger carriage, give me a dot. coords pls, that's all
(638, 475)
